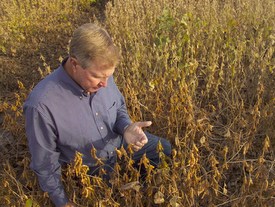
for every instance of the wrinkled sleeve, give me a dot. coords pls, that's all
(123, 119)
(44, 155)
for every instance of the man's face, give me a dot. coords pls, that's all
(94, 77)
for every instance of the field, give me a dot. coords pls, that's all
(203, 71)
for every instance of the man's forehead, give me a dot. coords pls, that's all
(102, 71)
(103, 64)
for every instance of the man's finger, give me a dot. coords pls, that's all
(139, 144)
(144, 123)
(136, 148)
(144, 141)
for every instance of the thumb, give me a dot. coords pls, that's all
(143, 123)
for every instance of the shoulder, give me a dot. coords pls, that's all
(44, 90)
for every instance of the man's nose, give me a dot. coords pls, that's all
(103, 82)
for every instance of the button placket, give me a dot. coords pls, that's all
(96, 107)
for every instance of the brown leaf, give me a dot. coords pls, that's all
(158, 198)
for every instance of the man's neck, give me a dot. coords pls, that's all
(68, 68)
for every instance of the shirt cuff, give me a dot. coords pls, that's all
(124, 129)
(121, 126)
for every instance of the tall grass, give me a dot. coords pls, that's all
(35, 30)
(203, 72)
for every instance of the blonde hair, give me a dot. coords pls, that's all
(90, 42)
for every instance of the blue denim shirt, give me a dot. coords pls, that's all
(61, 119)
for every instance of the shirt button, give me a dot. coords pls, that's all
(96, 114)
(111, 153)
(101, 128)
(80, 97)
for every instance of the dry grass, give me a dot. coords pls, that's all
(203, 71)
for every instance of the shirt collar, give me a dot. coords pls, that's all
(68, 81)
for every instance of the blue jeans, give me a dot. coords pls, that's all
(150, 148)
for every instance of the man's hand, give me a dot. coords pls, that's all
(134, 134)
(69, 204)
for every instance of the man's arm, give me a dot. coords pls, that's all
(123, 120)
(44, 161)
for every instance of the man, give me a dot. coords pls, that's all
(78, 107)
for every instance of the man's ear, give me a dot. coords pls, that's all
(73, 62)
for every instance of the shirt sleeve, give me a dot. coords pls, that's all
(44, 155)
(123, 119)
